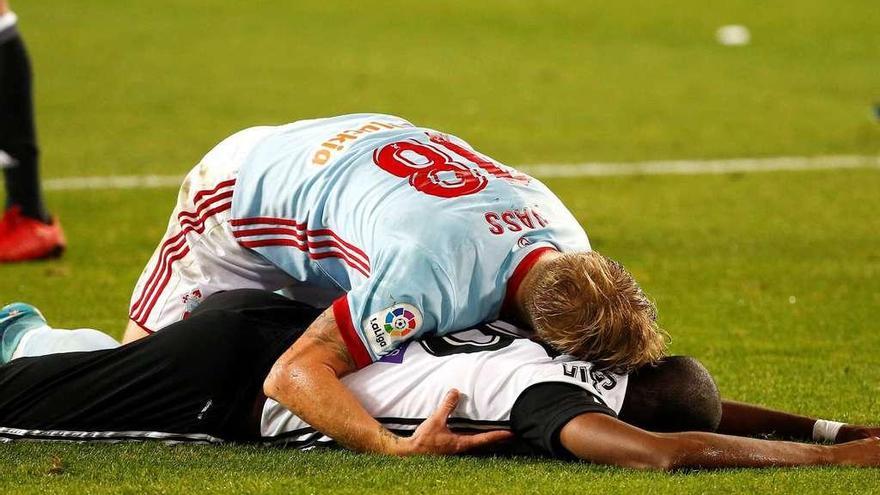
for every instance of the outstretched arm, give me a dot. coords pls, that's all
(602, 439)
(738, 418)
(305, 379)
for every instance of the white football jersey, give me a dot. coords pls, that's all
(491, 366)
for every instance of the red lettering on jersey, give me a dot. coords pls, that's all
(510, 219)
(539, 218)
(437, 172)
(493, 218)
(514, 220)
(523, 216)
(479, 161)
(428, 170)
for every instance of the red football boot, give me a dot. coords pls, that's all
(23, 238)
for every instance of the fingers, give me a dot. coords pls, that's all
(450, 402)
(470, 442)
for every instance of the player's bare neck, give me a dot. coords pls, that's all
(519, 309)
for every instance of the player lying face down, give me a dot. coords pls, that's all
(408, 232)
(200, 380)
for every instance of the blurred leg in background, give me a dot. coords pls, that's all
(27, 231)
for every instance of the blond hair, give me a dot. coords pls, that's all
(589, 306)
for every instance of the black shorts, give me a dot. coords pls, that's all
(196, 379)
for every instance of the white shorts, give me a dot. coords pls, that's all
(199, 255)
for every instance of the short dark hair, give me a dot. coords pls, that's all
(675, 394)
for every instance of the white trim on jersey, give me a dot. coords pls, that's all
(13, 434)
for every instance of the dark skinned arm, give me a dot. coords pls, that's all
(602, 439)
(739, 418)
(306, 380)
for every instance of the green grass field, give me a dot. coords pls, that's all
(772, 279)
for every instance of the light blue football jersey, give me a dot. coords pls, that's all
(411, 229)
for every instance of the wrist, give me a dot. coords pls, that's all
(395, 445)
(826, 431)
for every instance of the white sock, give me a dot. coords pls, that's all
(46, 340)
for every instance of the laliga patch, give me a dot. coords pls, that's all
(390, 325)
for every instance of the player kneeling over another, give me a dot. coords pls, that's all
(404, 232)
(200, 380)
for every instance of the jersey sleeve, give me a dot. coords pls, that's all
(408, 294)
(541, 411)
